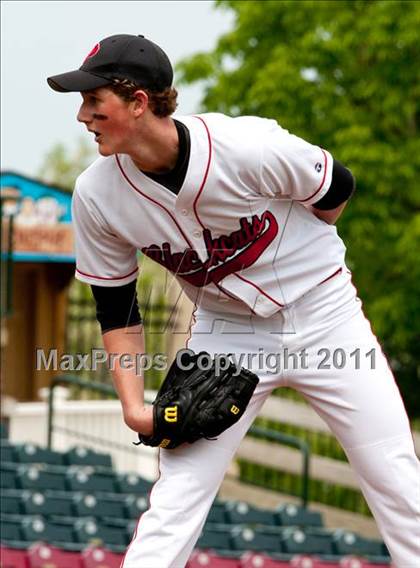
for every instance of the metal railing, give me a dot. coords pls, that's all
(294, 442)
(75, 382)
(109, 391)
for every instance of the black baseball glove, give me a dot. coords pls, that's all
(196, 403)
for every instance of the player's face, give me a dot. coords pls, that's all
(109, 118)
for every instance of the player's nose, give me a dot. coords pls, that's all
(84, 115)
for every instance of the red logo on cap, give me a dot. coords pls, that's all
(92, 52)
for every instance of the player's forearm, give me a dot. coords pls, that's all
(330, 216)
(128, 384)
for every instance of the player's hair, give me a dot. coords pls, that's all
(161, 104)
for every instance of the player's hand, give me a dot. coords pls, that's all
(197, 403)
(141, 421)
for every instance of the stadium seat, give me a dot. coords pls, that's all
(41, 555)
(132, 528)
(40, 477)
(88, 480)
(347, 542)
(95, 506)
(305, 561)
(4, 431)
(352, 562)
(10, 501)
(8, 475)
(132, 483)
(47, 503)
(124, 526)
(80, 455)
(12, 557)
(296, 515)
(94, 557)
(10, 528)
(297, 541)
(239, 512)
(200, 559)
(37, 528)
(217, 514)
(8, 453)
(378, 564)
(89, 531)
(385, 551)
(257, 560)
(256, 539)
(357, 562)
(135, 505)
(215, 537)
(31, 453)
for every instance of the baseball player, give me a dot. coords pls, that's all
(242, 213)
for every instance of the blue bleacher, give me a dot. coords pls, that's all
(75, 498)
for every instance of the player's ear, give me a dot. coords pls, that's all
(141, 101)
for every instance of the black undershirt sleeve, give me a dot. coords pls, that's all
(117, 307)
(341, 188)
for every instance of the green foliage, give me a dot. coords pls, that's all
(343, 75)
(291, 484)
(62, 166)
(320, 443)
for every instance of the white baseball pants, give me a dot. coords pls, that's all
(356, 395)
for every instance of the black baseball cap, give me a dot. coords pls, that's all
(123, 56)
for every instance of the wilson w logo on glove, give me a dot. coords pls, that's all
(198, 403)
(171, 414)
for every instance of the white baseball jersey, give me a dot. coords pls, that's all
(239, 239)
(237, 232)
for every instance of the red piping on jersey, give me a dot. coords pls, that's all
(205, 174)
(107, 277)
(199, 220)
(322, 182)
(166, 210)
(332, 276)
(152, 200)
(259, 289)
(203, 183)
(227, 293)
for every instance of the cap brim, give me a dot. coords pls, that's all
(76, 81)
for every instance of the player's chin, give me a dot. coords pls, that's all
(105, 150)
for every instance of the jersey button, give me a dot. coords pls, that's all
(184, 212)
(197, 234)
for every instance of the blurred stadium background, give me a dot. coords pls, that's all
(341, 74)
(72, 485)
